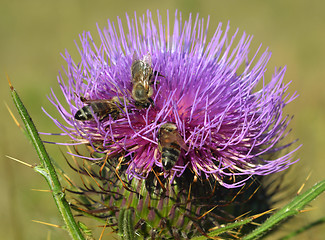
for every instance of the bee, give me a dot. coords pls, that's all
(142, 80)
(101, 107)
(170, 144)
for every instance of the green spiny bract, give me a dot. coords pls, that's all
(163, 208)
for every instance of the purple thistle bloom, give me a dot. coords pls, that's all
(207, 88)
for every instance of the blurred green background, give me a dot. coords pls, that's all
(34, 33)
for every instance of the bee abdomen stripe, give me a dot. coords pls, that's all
(83, 114)
(170, 153)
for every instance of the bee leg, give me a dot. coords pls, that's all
(153, 81)
(152, 77)
(151, 102)
(145, 104)
(141, 105)
(156, 73)
(114, 116)
(83, 99)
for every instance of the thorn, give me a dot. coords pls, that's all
(207, 212)
(102, 233)
(303, 185)
(123, 183)
(65, 176)
(9, 82)
(13, 116)
(90, 175)
(103, 165)
(306, 210)
(241, 216)
(255, 223)
(254, 192)
(41, 190)
(48, 224)
(189, 193)
(263, 213)
(161, 184)
(19, 161)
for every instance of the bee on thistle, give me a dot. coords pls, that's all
(142, 80)
(211, 89)
(170, 143)
(102, 108)
(220, 129)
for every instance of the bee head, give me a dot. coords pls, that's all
(169, 127)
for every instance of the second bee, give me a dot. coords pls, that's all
(170, 143)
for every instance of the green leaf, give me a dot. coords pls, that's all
(289, 210)
(226, 228)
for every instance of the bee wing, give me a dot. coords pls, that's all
(89, 101)
(110, 105)
(105, 107)
(178, 138)
(135, 57)
(147, 59)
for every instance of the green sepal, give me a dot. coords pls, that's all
(126, 224)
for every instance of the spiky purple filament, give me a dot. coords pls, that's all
(228, 125)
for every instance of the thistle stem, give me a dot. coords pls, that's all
(291, 209)
(46, 169)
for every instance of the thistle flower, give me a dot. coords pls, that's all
(227, 128)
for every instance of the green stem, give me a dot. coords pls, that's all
(291, 209)
(47, 169)
(225, 228)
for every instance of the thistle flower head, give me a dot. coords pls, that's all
(223, 125)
